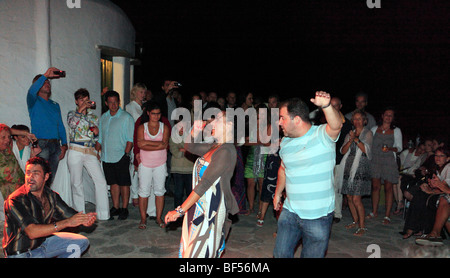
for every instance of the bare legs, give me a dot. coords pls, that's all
(116, 192)
(143, 205)
(357, 210)
(251, 193)
(389, 198)
(398, 195)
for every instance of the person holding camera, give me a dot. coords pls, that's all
(46, 120)
(83, 132)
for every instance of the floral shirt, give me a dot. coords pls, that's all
(11, 175)
(79, 124)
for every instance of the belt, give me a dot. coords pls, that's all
(83, 150)
(84, 144)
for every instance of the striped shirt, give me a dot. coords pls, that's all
(22, 208)
(309, 161)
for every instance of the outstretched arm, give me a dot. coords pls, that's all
(334, 120)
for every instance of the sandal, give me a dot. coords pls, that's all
(258, 215)
(351, 225)
(408, 234)
(386, 220)
(250, 211)
(160, 224)
(371, 216)
(259, 223)
(360, 231)
(142, 226)
(399, 210)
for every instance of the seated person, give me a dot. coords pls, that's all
(11, 175)
(442, 216)
(420, 218)
(410, 161)
(22, 146)
(35, 215)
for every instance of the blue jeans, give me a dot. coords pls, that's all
(314, 234)
(59, 245)
(50, 152)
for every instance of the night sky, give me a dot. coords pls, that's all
(399, 54)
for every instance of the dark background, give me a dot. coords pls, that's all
(398, 54)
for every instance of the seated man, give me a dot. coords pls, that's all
(35, 215)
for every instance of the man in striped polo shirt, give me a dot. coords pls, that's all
(306, 173)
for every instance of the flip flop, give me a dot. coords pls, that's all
(142, 226)
(351, 225)
(371, 216)
(360, 231)
(161, 225)
(386, 220)
(259, 223)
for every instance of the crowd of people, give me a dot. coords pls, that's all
(321, 162)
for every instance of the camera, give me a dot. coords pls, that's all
(177, 84)
(34, 144)
(93, 105)
(60, 73)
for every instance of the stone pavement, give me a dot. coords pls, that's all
(123, 239)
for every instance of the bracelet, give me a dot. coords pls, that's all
(56, 226)
(180, 210)
(323, 107)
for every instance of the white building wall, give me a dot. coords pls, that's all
(36, 34)
(74, 35)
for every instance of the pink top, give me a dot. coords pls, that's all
(153, 159)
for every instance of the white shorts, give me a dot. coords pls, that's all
(152, 180)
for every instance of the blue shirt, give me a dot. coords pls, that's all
(45, 116)
(115, 132)
(309, 162)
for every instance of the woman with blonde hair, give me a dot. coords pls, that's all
(137, 96)
(357, 177)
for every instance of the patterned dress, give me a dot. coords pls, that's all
(362, 182)
(11, 175)
(203, 228)
(384, 165)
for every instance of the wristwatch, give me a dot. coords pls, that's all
(180, 210)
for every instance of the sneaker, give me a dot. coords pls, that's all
(259, 223)
(429, 241)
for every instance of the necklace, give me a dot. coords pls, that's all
(384, 130)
